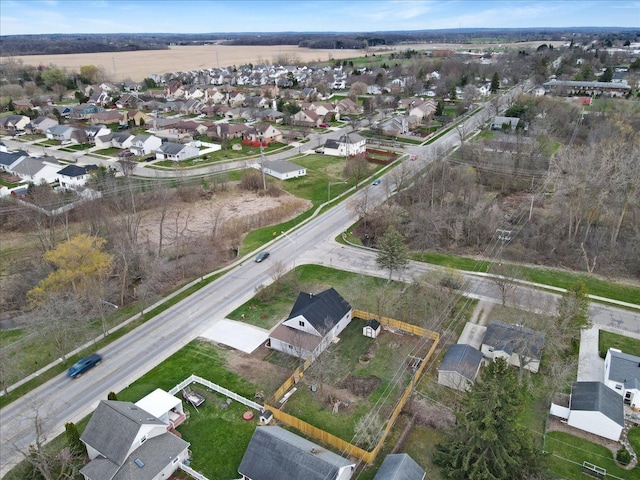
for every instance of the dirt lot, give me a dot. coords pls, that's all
(139, 65)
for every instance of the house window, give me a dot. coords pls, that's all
(301, 323)
(175, 460)
(618, 386)
(490, 349)
(143, 439)
(291, 347)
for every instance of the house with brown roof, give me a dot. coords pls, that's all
(263, 133)
(108, 117)
(306, 117)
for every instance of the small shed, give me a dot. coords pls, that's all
(371, 329)
(163, 406)
(266, 417)
(459, 367)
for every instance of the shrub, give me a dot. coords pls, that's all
(623, 456)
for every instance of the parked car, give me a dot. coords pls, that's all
(376, 182)
(262, 256)
(324, 125)
(123, 127)
(320, 150)
(126, 154)
(345, 118)
(83, 365)
(150, 158)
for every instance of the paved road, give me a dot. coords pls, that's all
(62, 400)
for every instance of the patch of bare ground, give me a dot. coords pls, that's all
(253, 368)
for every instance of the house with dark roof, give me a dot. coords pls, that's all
(8, 159)
(314, 322)
(125, 441)
(622, 375)
(278, 454)
(518, 345)
(399, 466)
(41, 124)
(176, 151)
(460, 366)
(349, 144)
(281, 169)
(594, 408)
(13, 123)
(72, 177)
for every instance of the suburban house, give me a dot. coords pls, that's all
(314, 322)
(60, 132)
(84, 111)
(144, 144)
(306, 117)
(423, 109)
(108, 117)
(270, 115)
(399, 466)
(36, 170)
(73, 176)
(176, 151)
(347, 106)
(504, 123)
(8, 159)
(122, 139)
(262, 133)
(518, 345)
(226, 131)
(350, 144)
(14, 123)
(459, 367)
(41, 124)
(281, 169)
(622, 375)
(278, 454)
(125, 441)
(594, 408)
(138, 117)
(94, 131)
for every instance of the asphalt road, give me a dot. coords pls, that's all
(63, 400)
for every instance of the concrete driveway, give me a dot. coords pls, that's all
(238, 335)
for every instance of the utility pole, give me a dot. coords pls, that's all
(264, 178)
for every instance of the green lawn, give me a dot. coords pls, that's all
(625, 344)
(568, 452)
(109, 152)
(218, 436)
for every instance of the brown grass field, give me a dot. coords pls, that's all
(140, 64)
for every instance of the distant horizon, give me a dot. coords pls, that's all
(37, 17)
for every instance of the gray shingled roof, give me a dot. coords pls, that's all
(170, 148)
(514, 338)
(28, 166)
(597, 397)
(9, 158)
(156, 453)
(277, 454)
(113, 428)
(73, 171)
(625, 369)
(323, 310)
(399, 466)
(282, 166)
(463, 359)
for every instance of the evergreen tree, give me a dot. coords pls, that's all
(607, 76)
(439, 109)
(392, 254)
(73, 439)
(495, 83)
(488, 443)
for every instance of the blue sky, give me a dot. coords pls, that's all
(217, 16)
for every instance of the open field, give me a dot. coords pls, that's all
(140, 64)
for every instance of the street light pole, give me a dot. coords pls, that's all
(329, 189)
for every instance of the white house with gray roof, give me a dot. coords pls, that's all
(281, 169)
(518, 345)
(125, 441)
(594, 408)
(176, 152)
(144, 144)
(349, 144)
(459, 367)
(622, 375)
(278, 454)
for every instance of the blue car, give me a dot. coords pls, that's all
(83, 365)
(376, 182)
(262, 256)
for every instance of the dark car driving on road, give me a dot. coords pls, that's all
(84, 364)
(262, 256)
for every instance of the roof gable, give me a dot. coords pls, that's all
(624, 368)
(399, 466)
(113, 428)
(73, 171)
(277, 454)
(323, 311)
(463, 359)
(514, 339)
(597, 397)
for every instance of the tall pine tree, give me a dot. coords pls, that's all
(488, 443)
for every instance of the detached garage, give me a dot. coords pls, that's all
(281, 169)
(597, 409)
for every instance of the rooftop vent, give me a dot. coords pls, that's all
(139, 462)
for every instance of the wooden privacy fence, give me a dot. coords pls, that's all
(217, 388)
(343, 446)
